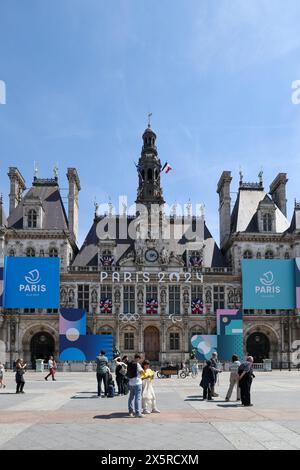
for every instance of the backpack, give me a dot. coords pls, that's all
(131, 370)
(123, 369)
(111, 391)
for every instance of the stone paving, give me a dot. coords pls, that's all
(67, 414)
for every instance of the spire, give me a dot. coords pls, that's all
(149, 168)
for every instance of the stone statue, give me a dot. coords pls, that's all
(163, 296)
(140, 296)
(117, 296)
(63, 295)
(208, 297)
(139, 256)
(186, 297)
(164, 256)
(94, 296)
(71, 296)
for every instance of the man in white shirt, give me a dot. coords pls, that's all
(134, 371)
(52, 368)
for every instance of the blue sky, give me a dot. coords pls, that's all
(81, 76)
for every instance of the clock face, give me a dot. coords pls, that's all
(151, 255)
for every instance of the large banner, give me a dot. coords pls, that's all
(268, 284)
(227, 341)
(297, 281)
(74, 343)
(31, 282)
(1, 286)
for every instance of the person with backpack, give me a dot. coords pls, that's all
(121, 370)
(246, 376)
(102, 376)
(134, 372)
(110, 385)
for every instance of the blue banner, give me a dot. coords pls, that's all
(268, 284)
(1, 286)
(85, 348)
(31, 282)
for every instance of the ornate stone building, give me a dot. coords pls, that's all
(151, 279)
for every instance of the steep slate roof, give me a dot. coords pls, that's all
(48, 194)
(244, 214)
(88, 253)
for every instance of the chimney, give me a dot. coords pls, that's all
(223, 190)
(74, 188)
(17, 186)
(278, 193)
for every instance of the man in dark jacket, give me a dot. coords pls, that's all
(246, 375)
(208, 380)
(102, 375)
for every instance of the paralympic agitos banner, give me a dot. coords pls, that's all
(31, 282)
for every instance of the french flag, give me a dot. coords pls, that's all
(166, 167)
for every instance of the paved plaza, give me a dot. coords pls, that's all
(67, 414)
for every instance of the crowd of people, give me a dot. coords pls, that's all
(135, 378)
(241, 376)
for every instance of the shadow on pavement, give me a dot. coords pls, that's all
(75, 397)
(113, 416)
(230, 405)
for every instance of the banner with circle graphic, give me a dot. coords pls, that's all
(31, 282)
(227, 341)
(268, 284)
(74, 343)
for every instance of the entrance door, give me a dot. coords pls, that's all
(151, 343)
(258, 346)
(41, 347)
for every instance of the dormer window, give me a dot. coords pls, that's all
(247, 254)
(30, 252)
(267, 222)
(32, 218)
(269, 254)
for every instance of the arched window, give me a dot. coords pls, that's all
(149, 174)
(30, 251)
(32, 218)
(247, 254)
(267, 223)
(269, 254)
(53, 253)
(11, 252)
(286, 255)
(42, 253)
(258, 255)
